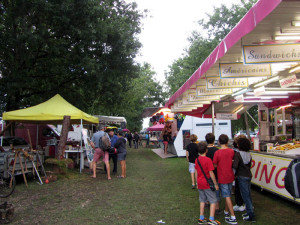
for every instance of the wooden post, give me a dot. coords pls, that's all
(63, 137)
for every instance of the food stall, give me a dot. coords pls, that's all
(257, 63)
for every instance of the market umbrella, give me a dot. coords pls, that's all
(125, 130)
(157, 127)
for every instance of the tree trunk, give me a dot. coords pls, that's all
(63, 137)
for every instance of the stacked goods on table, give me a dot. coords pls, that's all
(288, 148)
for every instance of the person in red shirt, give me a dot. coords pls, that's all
(223, 162)
(205, 193)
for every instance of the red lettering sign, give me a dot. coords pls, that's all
(277, 175)
(257, 169)
(265, 171)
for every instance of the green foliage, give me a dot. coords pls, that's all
(83, 50)
(237, 125)
(62, 164)
(144, 91)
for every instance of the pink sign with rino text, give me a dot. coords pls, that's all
(268, 172)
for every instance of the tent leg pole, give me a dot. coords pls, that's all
(2, 124)
(37, 137)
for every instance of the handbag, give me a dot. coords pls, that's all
(209, 181)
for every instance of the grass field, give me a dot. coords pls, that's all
(155, 189)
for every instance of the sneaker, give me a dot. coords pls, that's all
(213, 222)
(226, 215)
(239, 208)
(204, 221)
(253, 220)
(245, 215)
(230, 220)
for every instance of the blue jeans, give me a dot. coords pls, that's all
(245, 189)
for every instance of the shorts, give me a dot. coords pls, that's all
(226, 190)
(100, 153)
(207, 195)
(165, 142)
(122, 156)
(192, 167)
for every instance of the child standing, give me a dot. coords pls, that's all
(242, 164)
(205, 193)
(223, 162)
(191, 156)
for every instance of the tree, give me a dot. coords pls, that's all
(144, 91)
(82, 49)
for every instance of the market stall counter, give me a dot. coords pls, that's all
(268, 171)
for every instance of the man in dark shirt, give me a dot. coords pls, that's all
(136, 138)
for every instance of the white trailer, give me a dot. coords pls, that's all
(200, 127)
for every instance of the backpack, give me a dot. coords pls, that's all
(292, 178)
(104, 143)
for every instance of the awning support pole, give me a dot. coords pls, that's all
(81, 150)
(251, 118)
(213, 117)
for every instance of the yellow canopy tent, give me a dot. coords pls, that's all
(51, 111)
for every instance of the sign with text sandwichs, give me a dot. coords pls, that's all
(253, 54)
(218, 83)
(231, 70)
(203, 91)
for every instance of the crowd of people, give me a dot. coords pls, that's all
(115, 149)
(214, 170)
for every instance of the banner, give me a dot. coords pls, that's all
(218, 83)
(259, 91)
(268, 172)
(288, 81)
(226, 116)
(187, 103)
(232, 70)
(192, 97)
(175, 109)
(180, 104)
(202, 91)
(271, 53)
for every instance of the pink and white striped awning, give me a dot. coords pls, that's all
(247, 24)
